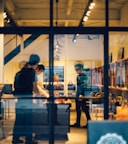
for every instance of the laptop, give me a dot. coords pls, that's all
(108, 132)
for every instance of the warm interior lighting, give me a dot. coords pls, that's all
(74, 40)
(8, 21)
(85, 18)
(57, 46)
(77, 35)
(88, 12)
(4, 15)
(92, 5)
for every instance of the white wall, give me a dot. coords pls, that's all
(88, 51)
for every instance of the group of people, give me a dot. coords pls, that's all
(26, 83)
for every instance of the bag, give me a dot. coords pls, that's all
(98, 97)
(23, 82)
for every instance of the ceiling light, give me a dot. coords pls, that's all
(57, 46)
(56, 49)
(8, 21)
(77, 35)
(74, 40)
(90, 7)
(92, 4)
(85, 18)
(4, 15)
(87, 14)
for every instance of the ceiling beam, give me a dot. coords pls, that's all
(69, 7)
(67, 22)
(10, 7)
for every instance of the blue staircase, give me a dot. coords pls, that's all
(17, 50)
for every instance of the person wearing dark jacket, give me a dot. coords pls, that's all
(80, 103)
(24, 85)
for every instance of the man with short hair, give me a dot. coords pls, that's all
(80, 103)
(27, 83)
(41, 90)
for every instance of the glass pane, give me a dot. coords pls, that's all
(118, 13)
(118, 73)
(83, 54)
(23, 105)
(27, 13)
(79, 13)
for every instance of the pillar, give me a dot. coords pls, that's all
(1, 43)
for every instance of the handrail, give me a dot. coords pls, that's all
(16, 51)
(9, 40)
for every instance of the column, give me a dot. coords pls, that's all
(1, 42)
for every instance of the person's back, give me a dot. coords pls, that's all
(25, 81)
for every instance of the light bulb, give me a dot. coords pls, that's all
(77, 34)
(92, 4)
(8, 21)
(4, 15)
(74, 40)
(85, 18)
(57, 46)
(87, 14)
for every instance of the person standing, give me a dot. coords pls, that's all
(24, 84)
(81, 103)
(42, 92)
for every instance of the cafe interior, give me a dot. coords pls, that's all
(64, 33)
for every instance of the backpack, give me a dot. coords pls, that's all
(23, 82)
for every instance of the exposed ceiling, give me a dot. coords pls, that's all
(36, 12)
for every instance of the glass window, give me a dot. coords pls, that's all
(23, 103)
(83, 77)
